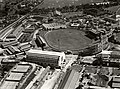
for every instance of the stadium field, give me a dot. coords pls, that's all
(67, 39)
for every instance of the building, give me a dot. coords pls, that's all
(40, 42)
(25, 37)
(12, 50)
(116, 82)
(19, 76)
(24, 46)
(110, 54)
(52, 26)
(10, 37)
(18, 31)
(39, 81)
(45, 58)
(110, 58)
(69, 80)
(12, 43)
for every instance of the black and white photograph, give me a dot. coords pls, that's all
(59, 44)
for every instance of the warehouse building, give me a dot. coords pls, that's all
(45, 58)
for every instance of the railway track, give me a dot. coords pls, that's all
(7, 30)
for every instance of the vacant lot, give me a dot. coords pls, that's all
(67, 39)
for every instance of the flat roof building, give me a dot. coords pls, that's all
(116, 82)
(15, 76)
(9, 85)
(21, 69)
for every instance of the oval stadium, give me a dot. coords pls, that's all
(67, 39)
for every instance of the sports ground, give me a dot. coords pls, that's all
(67, 39)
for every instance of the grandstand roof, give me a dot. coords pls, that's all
(54, 25)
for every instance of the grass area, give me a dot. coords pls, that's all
(61, 3)
(67, 39)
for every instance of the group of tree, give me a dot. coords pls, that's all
(74, 8)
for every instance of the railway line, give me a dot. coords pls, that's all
(7, 30)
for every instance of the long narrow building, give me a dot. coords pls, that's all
(69, 80)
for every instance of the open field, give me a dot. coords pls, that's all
(67, 39)
(61, 3)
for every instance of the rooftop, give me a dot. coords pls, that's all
(117, 85)
(15, 76)
(21, 68)
(37, 51)
(9, 85)
(116, 79)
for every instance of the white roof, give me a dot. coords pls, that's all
(97, 87)
(45, 52)
(106, 52)
(117, 79)
(15, 76)
(9, 85)
(1, 50)
(21, 68)
(54, 25)
(115, 84)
